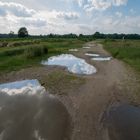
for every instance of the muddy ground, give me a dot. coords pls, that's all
(87, 97)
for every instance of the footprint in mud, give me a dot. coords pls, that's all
(123, 123)
(32, 117)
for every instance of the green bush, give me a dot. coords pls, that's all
(35, 51)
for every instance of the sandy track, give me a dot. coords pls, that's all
(114, 82)
(106, 87)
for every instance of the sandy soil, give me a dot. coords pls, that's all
(114, 82)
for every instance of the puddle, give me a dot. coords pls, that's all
(73, 50)
(92, 54)
(98, 57)
(102, 58)
(22, 87)
(73, 64)
(29, 116)
(86, 47)
(123, 123)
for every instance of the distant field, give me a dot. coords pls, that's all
(128, 51)
(16, 54)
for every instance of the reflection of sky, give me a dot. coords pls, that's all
(20, 84)
(74, 64)
(102, 58)
(92, 54)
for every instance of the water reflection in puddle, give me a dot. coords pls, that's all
(22, 87)
(31, 116)
(123, 123)
(98, 57)
(73, 50)
(102, 58)
(74, 64)
(92, 54)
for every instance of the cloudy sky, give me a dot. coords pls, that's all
(70, 16)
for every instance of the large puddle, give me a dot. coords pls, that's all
(26, 116)
(123, 123)
(73, 64)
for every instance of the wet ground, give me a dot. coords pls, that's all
(33, 117)
(123, 122)
(43, 117)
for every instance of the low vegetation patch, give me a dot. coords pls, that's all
(59, 82)
(25, 55)
(128, 51)
(35, 51)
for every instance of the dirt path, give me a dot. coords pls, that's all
(114, 82)
(108, 86)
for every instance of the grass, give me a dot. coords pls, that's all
(59, 82)
(35, 51)
(25, 55)
(128, 51)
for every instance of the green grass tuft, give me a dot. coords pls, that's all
(128, 51)
(35, 51)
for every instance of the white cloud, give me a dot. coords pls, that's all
(119, 2)
(15, 9)
(119, 14)
(89, 5)
(36, 22)
(68, 15)
(111, 24)
(56, 15)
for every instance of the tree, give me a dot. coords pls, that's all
(97, 35)
(11, 34)
(22, 32)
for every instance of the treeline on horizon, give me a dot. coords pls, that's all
(96, 35)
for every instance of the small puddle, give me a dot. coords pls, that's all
(98, 57)
(86, 47)
(73, 50)
(25, 115)
(73, 64)
(92, 54)
(102, 58)
(123, 123)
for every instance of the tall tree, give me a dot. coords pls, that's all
(22, 32)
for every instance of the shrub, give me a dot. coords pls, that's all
(4, 44)
(35, 51)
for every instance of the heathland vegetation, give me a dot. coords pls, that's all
(21, 53)
(126, 50)
(23, 50)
